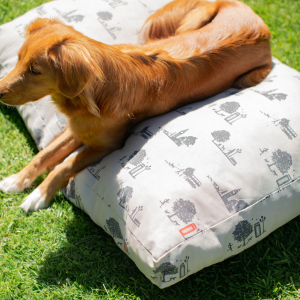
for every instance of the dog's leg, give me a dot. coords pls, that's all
(252, 77)
(42, 162)
(41, 197)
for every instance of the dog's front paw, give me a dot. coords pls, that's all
(9, 185)
(34, 201)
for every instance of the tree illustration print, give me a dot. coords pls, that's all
(184, 209)
(188, 140)
(137, 157)
(221, 136)
(284, 122)
(125, 195)
(282, 160)
(114, 228)
(38, 135)
(242, 230)
(166, 268)
(229, 107)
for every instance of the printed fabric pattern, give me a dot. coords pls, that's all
(189, 188)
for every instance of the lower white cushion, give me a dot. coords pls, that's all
(189, 188)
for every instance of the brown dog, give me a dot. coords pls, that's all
(194, 49)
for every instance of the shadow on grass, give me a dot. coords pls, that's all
(90, 259)
(11, 115)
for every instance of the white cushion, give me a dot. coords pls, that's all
(189, 188)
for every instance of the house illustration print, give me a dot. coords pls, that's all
(271, 95)
(279, 164)
(229, 110)
(187, 174)
(125, 194)
(136, 163)
(219, 138)
(179, 139)
(232, 205)
(103, 18)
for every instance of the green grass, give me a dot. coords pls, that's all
(59, 253)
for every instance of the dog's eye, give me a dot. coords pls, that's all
(34, 72)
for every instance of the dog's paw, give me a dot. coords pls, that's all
(9, 185)
(34, 201)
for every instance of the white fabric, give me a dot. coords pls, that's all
(189, 188)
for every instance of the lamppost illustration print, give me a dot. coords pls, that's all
(188, 175)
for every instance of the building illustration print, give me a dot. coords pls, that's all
(232, 205)
(180, 140)
(220, 137)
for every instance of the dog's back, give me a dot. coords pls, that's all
(226, 37)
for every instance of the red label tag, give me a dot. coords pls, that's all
(125, 247)
(188, 229)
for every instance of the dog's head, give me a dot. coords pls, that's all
(54, 59)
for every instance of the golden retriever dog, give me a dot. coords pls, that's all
(193, 49)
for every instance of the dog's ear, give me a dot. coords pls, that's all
(75, 71)
(38, 24)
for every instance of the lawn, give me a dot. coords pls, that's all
(59, 253)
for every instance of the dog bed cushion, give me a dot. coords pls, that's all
(189, 188)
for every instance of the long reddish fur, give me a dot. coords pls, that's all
(193, 50)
